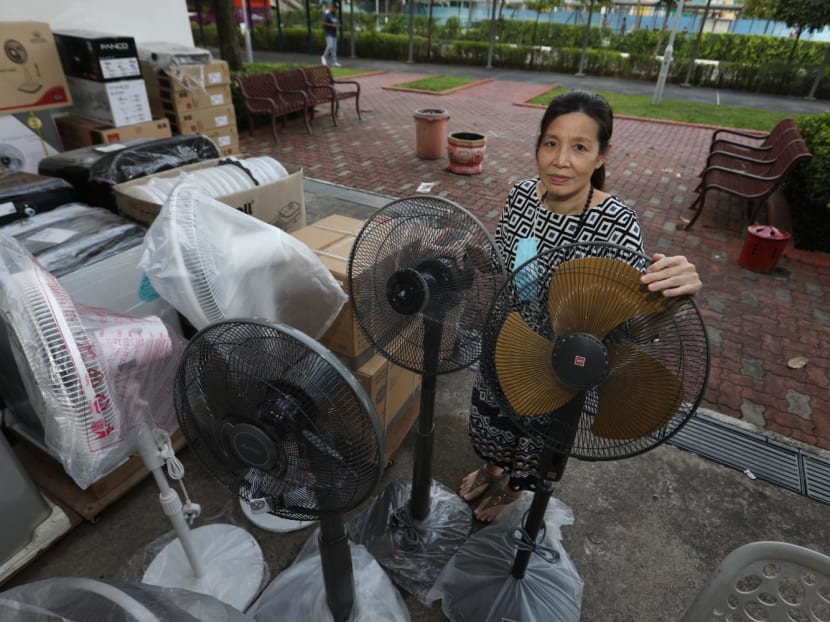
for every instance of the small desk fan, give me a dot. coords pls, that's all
(280, 421)
(422, 274)
(590, 364)
(91, 377)
(16, 53)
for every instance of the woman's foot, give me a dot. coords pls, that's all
(476, 483)
(492, 506)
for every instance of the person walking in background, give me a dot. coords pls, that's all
(330, 26)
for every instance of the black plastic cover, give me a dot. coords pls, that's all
(25, 194)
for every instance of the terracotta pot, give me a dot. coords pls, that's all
(430, 132)
(466, 152)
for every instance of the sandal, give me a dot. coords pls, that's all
(501, 498)
(481, 483)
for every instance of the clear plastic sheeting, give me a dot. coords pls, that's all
(164, 55)
(413, 552)
(477, 584)
(212, 262)
(298, 594)
(91, 376)
(75, 599)
(75, 235)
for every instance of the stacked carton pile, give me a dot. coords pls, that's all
(194, 98)
(109, 94)
(394, 391)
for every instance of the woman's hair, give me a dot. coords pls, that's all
(596, 107)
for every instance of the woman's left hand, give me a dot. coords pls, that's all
(673, 276)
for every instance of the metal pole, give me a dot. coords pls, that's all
(664, 68)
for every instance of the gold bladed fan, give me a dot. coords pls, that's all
(588, 297)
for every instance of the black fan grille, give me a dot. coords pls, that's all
(436, 238)
(274, 416)
(675, 337)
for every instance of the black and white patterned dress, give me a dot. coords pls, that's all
(494, 437)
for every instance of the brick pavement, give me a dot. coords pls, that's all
(756, 322)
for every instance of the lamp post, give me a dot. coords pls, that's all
(664, 68)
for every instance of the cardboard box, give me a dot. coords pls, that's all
(389, 387)
(97, 56)
(281, 203)
(202, 121)
(78, 132)
(31, 76)
(187, 77)
(332, 239)
(226, 139)
(180, 101)
(116, 103)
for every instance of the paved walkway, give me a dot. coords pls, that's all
(756, 322)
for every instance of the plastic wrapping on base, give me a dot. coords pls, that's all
(298, 593)
(88, 600)
(477, 584)
(413, 552)
(212, 262)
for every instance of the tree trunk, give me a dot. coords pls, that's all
(795, 45)
(662, 30)
(533, 39)
(820, 72)
(696, 47)
(585, 38)
(228, 31)
(429, 32)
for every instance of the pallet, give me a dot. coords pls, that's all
(54, 482)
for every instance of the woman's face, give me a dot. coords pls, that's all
(568, 155)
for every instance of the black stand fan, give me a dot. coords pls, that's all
(279, 420)
(589, 364)
(422, 274)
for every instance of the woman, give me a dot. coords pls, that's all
(563, 205)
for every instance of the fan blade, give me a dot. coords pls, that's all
(623, 412)
(596, 294)
(521, 354)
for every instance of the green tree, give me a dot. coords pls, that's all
(760, 9)
(669, 5)
(540, 6)
(810, 15)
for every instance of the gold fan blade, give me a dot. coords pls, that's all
(622, 412)
(525, 371)
(596, 294)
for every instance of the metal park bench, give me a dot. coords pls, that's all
(262, 97)
(322, 88)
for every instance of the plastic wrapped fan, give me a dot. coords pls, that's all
(78, 599)
(477, 585)
(211, 262)
(75, 235)
(91, 376)
(163, 55)
(413, 568)
(298, 592)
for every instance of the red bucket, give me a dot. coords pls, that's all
(763, 248)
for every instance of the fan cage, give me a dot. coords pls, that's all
(64, 373)
(319, 429)
(196, 253)
(675, 337)
(433, 237)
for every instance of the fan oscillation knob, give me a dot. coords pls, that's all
(580, 361)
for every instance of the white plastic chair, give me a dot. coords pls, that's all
(766, 582)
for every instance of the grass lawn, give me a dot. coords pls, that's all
(436, 84)
(676, 110)
(337, 72)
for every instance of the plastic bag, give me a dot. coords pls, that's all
(477, 584)
(76, 599)
(212, 262)
(298, 594)
(91, 376)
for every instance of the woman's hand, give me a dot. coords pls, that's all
(673, 276)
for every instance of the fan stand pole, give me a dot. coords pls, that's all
(171, 503)
(336, 560)
(422, 462)
(551, 468)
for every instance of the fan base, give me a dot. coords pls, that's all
(436, 538)
(231, 557)
(272, 523)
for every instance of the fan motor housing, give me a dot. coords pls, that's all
(580, 361)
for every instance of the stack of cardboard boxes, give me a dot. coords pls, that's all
(195, 98)
(109, 94)
(395, 391)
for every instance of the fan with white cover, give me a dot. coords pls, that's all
(101, 386)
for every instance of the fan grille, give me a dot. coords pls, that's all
(276, 417)
(659, 356)
(439, 251)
